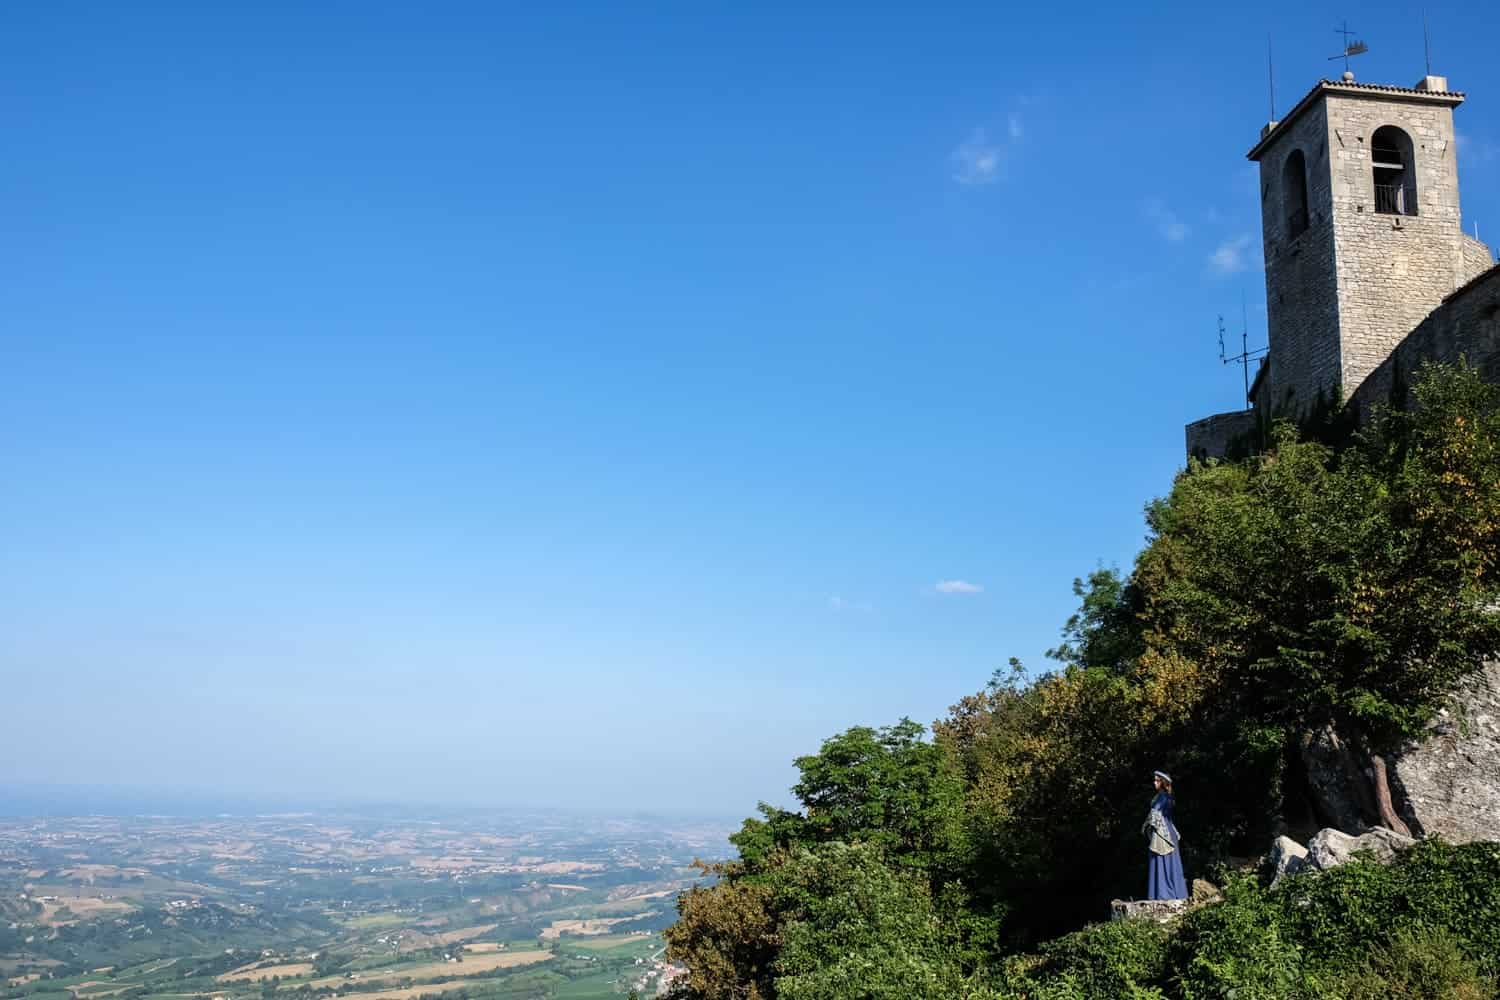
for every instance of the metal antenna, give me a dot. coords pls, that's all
(1245, 343)
(1246, 355)
(1271, 78)
(1426, 43)
(1354, 48)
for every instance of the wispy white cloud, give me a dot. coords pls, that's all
(1168, 226)
(1475, 150)
(982, 157)
(1231, 256)
(837, 603)
(957, 587)
(978, 159)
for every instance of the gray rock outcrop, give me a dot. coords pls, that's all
(1448, 784)
(1331, 848)
(1160, 910)
(1338, 785)
(1202, 893)
(1288, 857)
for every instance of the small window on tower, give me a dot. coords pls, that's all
(1395, 171)
(1294, 194)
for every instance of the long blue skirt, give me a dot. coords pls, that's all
(1166, 880)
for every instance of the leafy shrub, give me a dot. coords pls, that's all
(1238, 948)
(1306, 938)
(1426, 926)
(1435, 886)
(1109, 960)
(857, 928)
(1418, 965)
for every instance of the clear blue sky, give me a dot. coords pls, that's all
(581, 405)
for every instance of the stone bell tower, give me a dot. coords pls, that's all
(1362, 231)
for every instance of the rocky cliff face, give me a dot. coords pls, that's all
(1448, 785)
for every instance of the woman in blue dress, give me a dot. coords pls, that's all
(1165, 880)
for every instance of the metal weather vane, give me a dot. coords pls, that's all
(1354, 48)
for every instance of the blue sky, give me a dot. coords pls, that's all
(582, 405)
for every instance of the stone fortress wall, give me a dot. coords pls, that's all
(1477, 258)
(1219, 434)
(1466, 326)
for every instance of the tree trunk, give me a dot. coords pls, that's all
(1350, 788)
(1381, 781)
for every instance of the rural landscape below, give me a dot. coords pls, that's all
(378, 908)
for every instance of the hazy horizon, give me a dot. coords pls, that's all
(18, 801)
(602, 407)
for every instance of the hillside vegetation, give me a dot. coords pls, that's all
(1336, 580)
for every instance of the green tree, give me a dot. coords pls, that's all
(1105, 630)
(727, 935)
(1351, 589)
(887, 786)
(855, 928)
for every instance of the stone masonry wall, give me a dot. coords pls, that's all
(1477, 258)
(1466, 326)
(1212, 437)
(1393, 270)
(1301, 293)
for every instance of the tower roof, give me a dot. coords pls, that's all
(1432, 90)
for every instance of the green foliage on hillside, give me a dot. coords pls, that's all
(1427, 926)
(886, 787)
(1314, 585)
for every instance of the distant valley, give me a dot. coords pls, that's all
(304, 907)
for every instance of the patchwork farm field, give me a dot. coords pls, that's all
(252, 973)
(312, 908)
